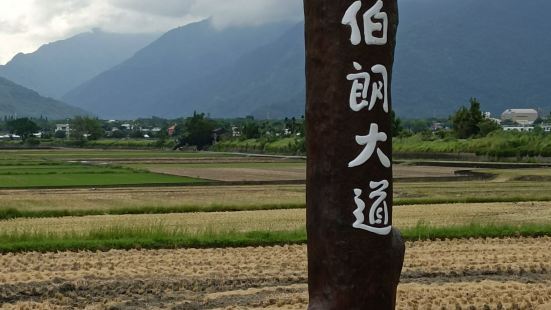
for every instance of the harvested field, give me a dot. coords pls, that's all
(238, 174)
(275, 171)
(242, 221)
(458, 274)
(480, 213)
(442, 215)
(248, 196)
(113, 198)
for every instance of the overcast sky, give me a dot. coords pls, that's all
(27, 24)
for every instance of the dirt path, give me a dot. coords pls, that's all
(460, 274)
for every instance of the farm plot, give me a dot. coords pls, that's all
(460, 274)
(272, 171)
(35, 169)
(92, 154)
(112, 200)
(236, 172)
(59, 202)
(81, 176)
(260, 227)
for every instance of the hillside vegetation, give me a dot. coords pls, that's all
(497, 144)
(21, 101)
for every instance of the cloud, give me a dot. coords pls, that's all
(170, 8)
(27, 24)
(248, 12)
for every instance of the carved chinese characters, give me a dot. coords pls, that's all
(373, 21)
(365, 94)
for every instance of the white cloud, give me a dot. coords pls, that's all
(27, 24)
(248, 12)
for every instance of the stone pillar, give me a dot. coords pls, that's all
(355, 257)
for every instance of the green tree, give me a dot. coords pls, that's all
(476, 116)
(466, 122)
(23, 127)
(60, 134)
(461, 123)
(197, 131)
(82, 127)
(251, 130)
(396, 124)
(487, 126)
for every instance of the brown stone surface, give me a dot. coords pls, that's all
(348, 268)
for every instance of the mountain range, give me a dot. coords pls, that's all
(56, 68)
(448, 51)
(16, 100)
(163, 78)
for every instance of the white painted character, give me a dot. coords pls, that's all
(374, 21)
(360, 88)
(370, 141)
(378, 214)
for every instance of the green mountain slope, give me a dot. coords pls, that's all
(16, 100)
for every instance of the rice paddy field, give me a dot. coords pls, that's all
(124, 229)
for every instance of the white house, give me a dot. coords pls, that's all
(521, 116)
(63, 127)
(235, 132)
(488, 115)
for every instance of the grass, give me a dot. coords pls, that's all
(427, 232)
(83, 154)
(158, 237)
(405, 217)
(13, 213)
(25, 172)
(56, 180)
(237, 165)
(149, 238)
(23, 212)
(496, 145)
(290, 145)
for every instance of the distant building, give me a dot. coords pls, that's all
(521, 116)
(217, 133)
(63, 127)
(9, 137)
(518, 128)
(436, 126)
(235, 132)
(488, 115)
(171, 130)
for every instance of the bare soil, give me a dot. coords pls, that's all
(286, 173)
(459, 274)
